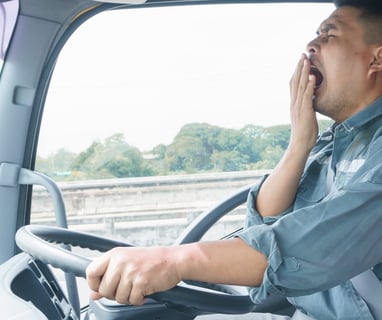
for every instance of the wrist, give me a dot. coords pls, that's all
(302, 143)
(188, 260)
(297, 149)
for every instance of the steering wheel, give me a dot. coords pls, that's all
(41, 243)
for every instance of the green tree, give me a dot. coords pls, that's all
(187, 153)
(269, 158)
(197, 147)
(228, 161)
(200, 146)
(83, 161)
(159, 151)
(206, 133)
(254, 132)
(114, 158)
(57, 165)
(278, 136)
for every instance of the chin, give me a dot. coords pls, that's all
(320, 107)
(318, 103)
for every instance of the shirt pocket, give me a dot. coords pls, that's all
(374, 175)
(312, 188)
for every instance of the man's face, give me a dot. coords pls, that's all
(341, 58)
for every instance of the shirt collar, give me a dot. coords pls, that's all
(371, 112)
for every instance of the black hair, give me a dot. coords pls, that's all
(371, 17)
(372, 6)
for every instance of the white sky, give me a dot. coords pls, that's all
(227, 65)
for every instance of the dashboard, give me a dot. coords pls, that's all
(30, 291)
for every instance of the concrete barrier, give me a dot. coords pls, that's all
(148, 210)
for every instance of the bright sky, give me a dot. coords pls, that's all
(147, 72)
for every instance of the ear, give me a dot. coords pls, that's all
(376, 64)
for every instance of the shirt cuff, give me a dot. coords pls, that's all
(262, 239)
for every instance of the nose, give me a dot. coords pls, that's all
(312, 47)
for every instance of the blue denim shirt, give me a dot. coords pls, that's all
(327, 236)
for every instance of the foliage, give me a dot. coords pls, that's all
(114, 158)
(197, 147)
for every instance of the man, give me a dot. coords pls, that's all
(315, 222)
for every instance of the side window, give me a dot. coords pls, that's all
(8, 17)
(155, 115)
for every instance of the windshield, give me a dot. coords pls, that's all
(155, 115)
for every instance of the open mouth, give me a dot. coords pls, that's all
(318, 75)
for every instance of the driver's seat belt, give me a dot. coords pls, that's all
(370, 289)
(366, 283)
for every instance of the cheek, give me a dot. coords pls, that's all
(346, 66)
(346, 74)
(358, 63)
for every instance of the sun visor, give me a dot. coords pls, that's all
(123, 1)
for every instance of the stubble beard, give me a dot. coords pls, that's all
(332, 107)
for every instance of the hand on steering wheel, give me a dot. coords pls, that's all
(40, 242)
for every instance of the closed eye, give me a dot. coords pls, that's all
(327, 30)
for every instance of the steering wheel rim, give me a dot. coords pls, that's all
(199, 226)
(40, 242)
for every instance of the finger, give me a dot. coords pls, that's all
(309, 91)
(294, 83)
(95, 271)
(304, 78)
(95, 295)
(122, 293)
(302, 86)
(137, 296)
(110, 281)
(137, 299)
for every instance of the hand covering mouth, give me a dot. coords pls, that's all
(317, 74)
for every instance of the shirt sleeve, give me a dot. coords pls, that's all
(320, 246)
